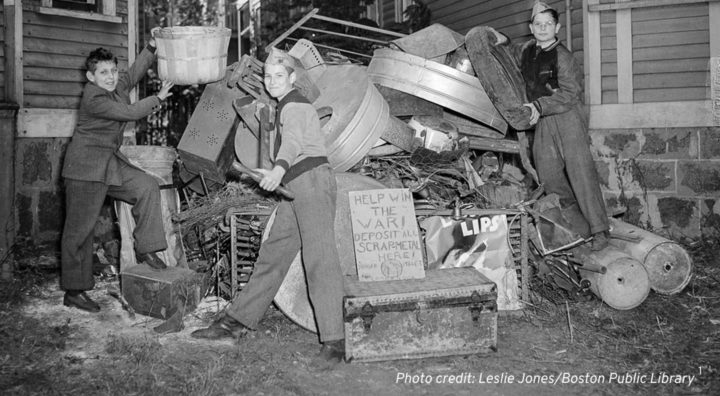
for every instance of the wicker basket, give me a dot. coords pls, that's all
(192, 54)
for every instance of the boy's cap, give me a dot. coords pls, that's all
(538, 8)
(280, 57)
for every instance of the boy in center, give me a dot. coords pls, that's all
(300, 162)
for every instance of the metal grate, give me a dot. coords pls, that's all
(246, 230)
(245, 236)
(518, 228)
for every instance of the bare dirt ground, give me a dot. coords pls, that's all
(669, 345)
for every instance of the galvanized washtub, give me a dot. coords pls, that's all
(355, 112)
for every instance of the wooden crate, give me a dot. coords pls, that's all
(161, 293)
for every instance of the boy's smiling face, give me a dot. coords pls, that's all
(278, 81)
(105, 75)
(544, 28)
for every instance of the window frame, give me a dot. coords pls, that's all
(627, 114)
(400, 7)
(107, 13)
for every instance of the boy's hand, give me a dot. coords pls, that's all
(165, 90)
(153, 31)
(272, 178)
(535, 116)
(499, 37)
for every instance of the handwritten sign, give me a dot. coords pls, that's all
(385, 235)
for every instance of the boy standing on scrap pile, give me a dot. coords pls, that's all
(554, 87)
(94, 168)
(308, 221)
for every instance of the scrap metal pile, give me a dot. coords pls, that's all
(417, 116)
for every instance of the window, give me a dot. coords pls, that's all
(400, 7)
(373, 12)
(77, 5)
(99, 10)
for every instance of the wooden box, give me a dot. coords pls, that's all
(161, 293)
(449, 312)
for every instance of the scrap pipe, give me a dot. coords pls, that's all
(344, 35)
(589, 265)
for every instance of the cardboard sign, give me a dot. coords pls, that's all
(385, 235)
(475, 241)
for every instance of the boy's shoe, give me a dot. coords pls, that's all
(600, 241)
(80, 301)
(225, 327)
(152, 260)
(332, 352)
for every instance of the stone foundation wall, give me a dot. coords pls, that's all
(39, 199)
(666, 179)
(39, 193)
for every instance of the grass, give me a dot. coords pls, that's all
(673, 334)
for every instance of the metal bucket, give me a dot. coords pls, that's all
(292, 297)
(158, 162)
(192, 54)
(436, 83)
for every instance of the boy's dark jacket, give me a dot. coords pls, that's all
(553, 81)
(93, 154)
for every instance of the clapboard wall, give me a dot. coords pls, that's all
(387, 13)
(48, 47)
(54, 50)
(670, 51)
(511, 17)
(2, 55)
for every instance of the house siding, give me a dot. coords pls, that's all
(649, 171)
(509, 17)
(2, 56)
(53, 56)
(670, 51)
(55, 48)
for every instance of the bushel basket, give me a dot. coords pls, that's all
(192, 54)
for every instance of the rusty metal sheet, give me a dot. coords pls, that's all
(292, 297)
(435, 82)
(433, 42)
